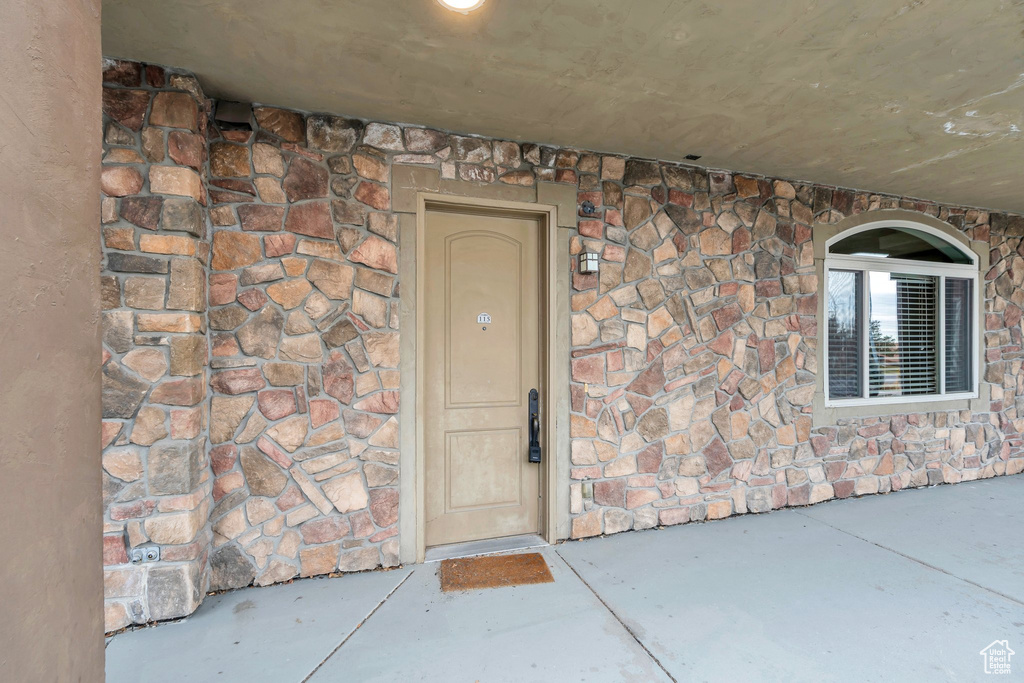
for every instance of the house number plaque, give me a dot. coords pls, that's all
(483, 318)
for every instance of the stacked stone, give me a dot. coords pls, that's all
(304, 333)
(693, 361)
(155, 481)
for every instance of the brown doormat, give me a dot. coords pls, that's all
(494, 571)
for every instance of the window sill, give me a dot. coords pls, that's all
(900, 400)
(826, 413)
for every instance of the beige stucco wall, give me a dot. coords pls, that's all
(50, 577)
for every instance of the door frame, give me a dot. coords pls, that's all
(546, 216)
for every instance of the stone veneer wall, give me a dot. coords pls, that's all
(156, 483)
(693, 358)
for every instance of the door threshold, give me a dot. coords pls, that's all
(488, 546)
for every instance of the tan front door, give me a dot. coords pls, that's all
(482, 358)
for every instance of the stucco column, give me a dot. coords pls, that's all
(51, 585)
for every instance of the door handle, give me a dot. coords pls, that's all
(534, 426)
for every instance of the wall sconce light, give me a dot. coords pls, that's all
(588, 262)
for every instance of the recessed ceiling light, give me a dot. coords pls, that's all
(461, 6)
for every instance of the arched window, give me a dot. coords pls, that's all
(901, 315)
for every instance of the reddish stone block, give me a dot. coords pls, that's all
(820, 445)
(834, 470)
(585, 473)
(261, 218)
(187, 149)
(384, 506)
(649, 459)
(672, 516)
(155, 75)
(874, 430)
(649, 382)
(611, 492)
(386, 402)
(898, 425)
(727, 316)
(127, 107)
(238, 381)
(800, 495)
(312, 219)
(113, 550)
(717, 457)
(186, 424)
(291, 498)
(588, 369)
(885, 465)
(118, 181)
(766, 354)
(253, 299)
(322, 411)
(276, 403)
(594, 229)
(223, 288)
(740, 240)
(122, 72)
(577, 398)
(723, 344)
(639, 497)
(181, 392)
(373, 195)
(279, 245)
(134, 510)
(174, 110)
(142, 211)
(768, 288)
(222, 458)
(337, 378)
(843, 489)
(680, 198)
(327, 529)
(222, 486)
(268, 448)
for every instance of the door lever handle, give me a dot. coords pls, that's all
(534, 426)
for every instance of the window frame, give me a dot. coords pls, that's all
(867, 264)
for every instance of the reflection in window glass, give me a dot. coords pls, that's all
(844, 335)
(901, 243)
(958, 334)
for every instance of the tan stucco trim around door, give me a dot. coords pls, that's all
(414, 190)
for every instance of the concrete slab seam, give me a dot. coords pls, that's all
(914, 559)
(621, 622)
(358, 626)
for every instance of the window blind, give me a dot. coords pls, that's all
(903, 353)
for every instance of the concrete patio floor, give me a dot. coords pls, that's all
(909, 586)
